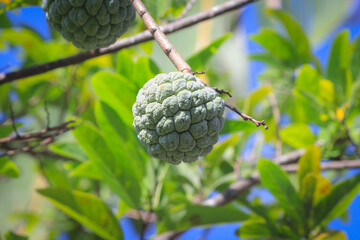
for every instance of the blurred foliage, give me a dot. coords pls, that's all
(110, 173)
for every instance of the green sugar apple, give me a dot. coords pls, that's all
(89, 24)
(177, 117)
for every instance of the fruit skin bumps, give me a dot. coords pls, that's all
(89, 24)
(177, 117)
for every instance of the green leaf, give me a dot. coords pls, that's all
(145, 70)
(232, 126)
(97, 150)
(193, 215)
(8, 168)
(87, 209)
(335, 203)
(117, 133)
(277, 182)
(118, 92)
(277, 45)
(125, 65)
(307, 193)
(5, 130)
(86, 169)
(256, 97)
(254, 230)
(309, 163)
(213, 160)
(70, 150)
(201, 58)
(13, 236)
(355, 60)
(295, 32)
(126, 149)
(308, 79)
(332, 235)
(297, 135)
(338, 65)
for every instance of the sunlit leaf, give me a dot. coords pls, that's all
(87, 209)
(8, 168)
(232, 126)
(297, 135)
(256, 97)
(254, 230)
(309, 163)
(70, 150)
(333, 235)
(86, 169)
(337, 201)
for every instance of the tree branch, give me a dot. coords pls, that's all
(161, 38)
(124, 42)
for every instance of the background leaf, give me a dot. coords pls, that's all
(87, 209)
(335, 203)
(277, 182)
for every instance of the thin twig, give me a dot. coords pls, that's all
(246, 117)
(187, 9)
(220, 91)
(36, 135)
(12, 117)
(125, 42)
(47, 115)
(44, 142)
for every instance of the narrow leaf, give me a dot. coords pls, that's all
(87, 209)
(309, 163)
(277, 182)
(201, 58)
(295, 32)
(338, 65)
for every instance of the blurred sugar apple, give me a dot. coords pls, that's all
(89, 24)
(177, 117)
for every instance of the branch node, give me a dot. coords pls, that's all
(153, 30)
(197, 72)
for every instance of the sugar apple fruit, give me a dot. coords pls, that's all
(177, 117)
(89, 24)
